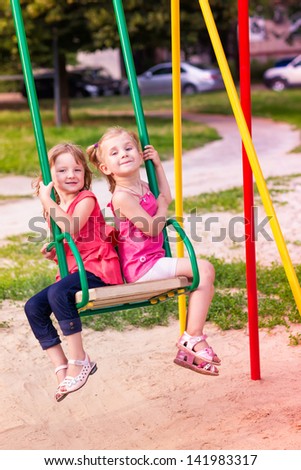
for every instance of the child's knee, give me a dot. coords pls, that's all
(62, 303)
(30, 308)
(207, 271)
(58, 298)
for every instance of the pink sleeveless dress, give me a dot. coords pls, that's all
(138, 252)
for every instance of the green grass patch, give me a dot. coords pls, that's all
(295, 339)
(226, 200)
(266, 103)
(231, 200)
(23, 269)
(91, 116)
(276, 304)
(144, 317)
(90, 119)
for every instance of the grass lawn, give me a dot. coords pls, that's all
(91, 117)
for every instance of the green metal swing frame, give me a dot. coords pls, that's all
(84, 305)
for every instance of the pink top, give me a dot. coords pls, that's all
(138, 252)
(94, 243)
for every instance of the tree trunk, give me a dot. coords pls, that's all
(65, 107)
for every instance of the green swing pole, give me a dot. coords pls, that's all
(36, 120)
(136, 100)
(135, 93)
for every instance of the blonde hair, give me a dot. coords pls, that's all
(79, 156)
(95, 151)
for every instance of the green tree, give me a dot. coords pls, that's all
(88, 25)
(148, 24)
(8, 43)
(53, 21)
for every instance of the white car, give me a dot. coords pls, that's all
(194, 79)
(285, 74)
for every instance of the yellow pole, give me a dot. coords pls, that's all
(177, 132)
(250, 150)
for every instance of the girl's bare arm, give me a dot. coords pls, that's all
(150, 153)
(127, 205)
(66, 222)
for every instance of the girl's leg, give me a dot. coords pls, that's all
(38, 312)
(61, 297)
(58, 358)
(76, 351)
(199, 300)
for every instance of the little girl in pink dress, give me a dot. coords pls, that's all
(140, 219)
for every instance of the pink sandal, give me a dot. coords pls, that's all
(187, 343)
(72, 384)
(185, 359)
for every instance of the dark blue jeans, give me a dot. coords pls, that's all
(59, 299)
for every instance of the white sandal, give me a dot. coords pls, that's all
(72, 384)
(59, 396)
(187, 343)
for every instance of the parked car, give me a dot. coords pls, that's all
(44, 83)
(285, 74)
(82, 83)
(104, 82)
(194, 79)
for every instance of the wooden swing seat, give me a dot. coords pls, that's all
(131, 293)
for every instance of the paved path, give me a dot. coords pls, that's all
(211, 168)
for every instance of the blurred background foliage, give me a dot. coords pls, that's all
(89, 25)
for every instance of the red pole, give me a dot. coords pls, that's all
(245, 98)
